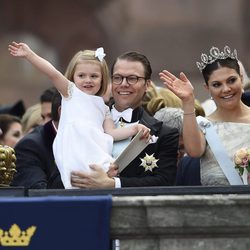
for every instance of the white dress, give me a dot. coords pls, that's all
(233, 136)
(80, 138)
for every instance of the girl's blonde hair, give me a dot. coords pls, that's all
(89, 55)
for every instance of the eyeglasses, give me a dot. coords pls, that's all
(131, 80)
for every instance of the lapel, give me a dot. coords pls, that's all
(50, 134)
(139, 114)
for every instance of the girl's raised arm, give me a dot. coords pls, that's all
(57, 78)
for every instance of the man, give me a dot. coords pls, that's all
(46, 100)
(35, 163)
(154, 166)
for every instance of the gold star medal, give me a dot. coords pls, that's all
(149, 162)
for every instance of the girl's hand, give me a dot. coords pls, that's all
(113, 170)
(145, 132)
(181, 87)
(19, 49)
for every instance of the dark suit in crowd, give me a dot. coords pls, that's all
(35, 161)
(188, 172)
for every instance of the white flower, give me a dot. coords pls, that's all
(149, 162)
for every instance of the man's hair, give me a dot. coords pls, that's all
(134, 56)
(56, 103)
(47, 95)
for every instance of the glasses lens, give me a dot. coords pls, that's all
(132, 79)
(117, 79)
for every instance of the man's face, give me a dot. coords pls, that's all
(46, 111)
(129, 95)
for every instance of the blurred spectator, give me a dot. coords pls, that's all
(158, 98)
(11, 128)
(188, 168)
(32, 118)
(46, 100)
(16, 109)
(173, 117)
(35, 163)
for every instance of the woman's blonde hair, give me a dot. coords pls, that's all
(32, 118)
(89, 55)
(158, 98)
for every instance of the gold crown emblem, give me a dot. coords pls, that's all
(16, 237)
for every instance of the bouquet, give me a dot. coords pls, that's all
(242, 163)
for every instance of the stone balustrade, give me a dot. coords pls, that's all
(182, 222)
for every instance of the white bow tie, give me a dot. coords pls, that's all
(126, 114)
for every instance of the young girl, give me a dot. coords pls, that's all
(86, 130)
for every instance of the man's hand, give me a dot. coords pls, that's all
(97, 178)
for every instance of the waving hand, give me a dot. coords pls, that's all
(179, 86)
(19, 49)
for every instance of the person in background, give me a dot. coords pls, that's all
(11, 128)
(173, 117)
(46, 100)
(32, 118)
(158, 98)
(17, 109)
(35, 162)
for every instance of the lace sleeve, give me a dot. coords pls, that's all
(70, 90)
(107, 113)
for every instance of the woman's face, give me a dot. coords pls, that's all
(13, 135)
(225, 87)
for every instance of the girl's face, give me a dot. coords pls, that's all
(13, 135)
(225, 86)
(88, 77)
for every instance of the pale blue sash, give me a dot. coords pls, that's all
(219, 151)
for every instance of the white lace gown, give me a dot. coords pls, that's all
(80, 138)
(233, 136)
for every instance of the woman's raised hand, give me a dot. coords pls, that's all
(179, 86)
(19, 49)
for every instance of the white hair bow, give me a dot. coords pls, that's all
(99, 53)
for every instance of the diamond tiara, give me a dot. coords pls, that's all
(215, 54)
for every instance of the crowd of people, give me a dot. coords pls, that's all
(72, 137)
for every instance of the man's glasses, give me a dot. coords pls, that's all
(131, 80)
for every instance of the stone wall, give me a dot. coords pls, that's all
(184, 222)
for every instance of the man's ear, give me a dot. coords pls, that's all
(148, 84)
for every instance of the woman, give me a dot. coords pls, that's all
(231, 119)
(11, 130)
(32, 118)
